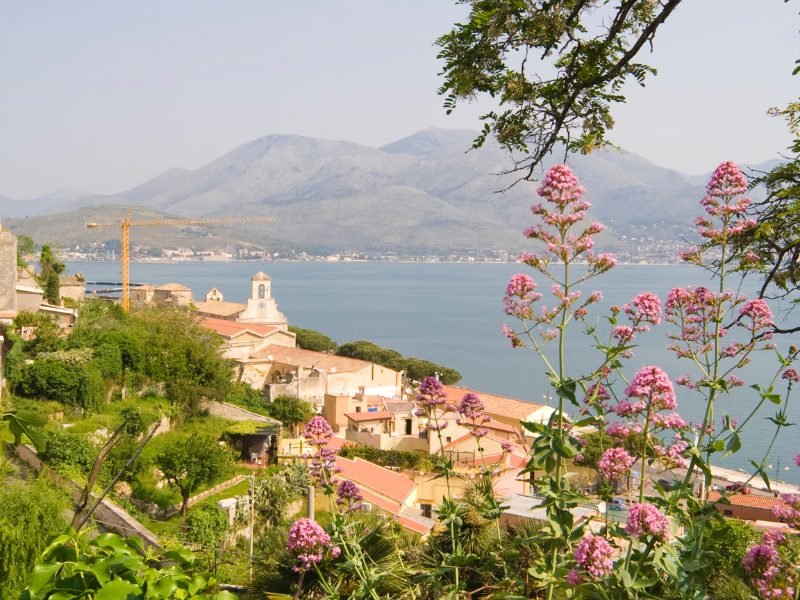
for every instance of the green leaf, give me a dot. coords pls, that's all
(734, 444)
(26, 422)
(119, 589)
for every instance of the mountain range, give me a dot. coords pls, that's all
(424, 194)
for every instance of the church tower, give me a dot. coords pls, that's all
(261, 306)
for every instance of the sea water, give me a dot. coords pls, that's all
(451, 313)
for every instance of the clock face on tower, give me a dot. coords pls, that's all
(262, 305)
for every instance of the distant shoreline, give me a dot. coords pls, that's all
(344, 261)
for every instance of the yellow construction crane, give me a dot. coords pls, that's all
(126, 223)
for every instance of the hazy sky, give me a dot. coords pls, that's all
(102, 95)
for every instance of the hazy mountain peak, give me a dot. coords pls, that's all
(433, 142)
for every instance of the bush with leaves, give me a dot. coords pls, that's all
(246, 396)
(65, 448)
(404, 459)
(30, 513)
(206, 525)
(77, 385)
(110, 567)
(415, 368)
(291, 411)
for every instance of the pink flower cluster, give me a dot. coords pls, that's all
(593, 554)
(644, 308)
(520, 294)
(472, 415)
(722, 205)
(317, 431)
(615, 463)
(652, 385)
(645, 519)
(431, 392)
(310, 544)
(788, 510)
(349, 495)
(759, 314)
(323, 462)
(767, 570)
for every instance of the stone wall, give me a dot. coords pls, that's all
(8, 272)
(110, 516)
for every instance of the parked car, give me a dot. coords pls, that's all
(617, 504)
(738, 488)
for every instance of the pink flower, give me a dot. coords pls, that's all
(653, 385)
(645, 519)
(309, 543)
(797, 460)
(317, 431)
(573, 577)
(348, 494)
(760, 313)
(615, 463)
(791, 375)
(594, 553)
(645, 307)
(430, 392)
(520, 294)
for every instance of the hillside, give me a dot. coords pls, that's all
(421, 194)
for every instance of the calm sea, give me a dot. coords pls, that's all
(451, 313)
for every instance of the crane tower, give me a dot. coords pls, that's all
(126, 223)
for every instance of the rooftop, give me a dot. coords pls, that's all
(220, 307)
(330, 363)
(173, 287)
(497, 405)
(230, 329)
(749, 500)
(375, 415)
(384, 482)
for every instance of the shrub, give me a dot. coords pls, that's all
(65, 448)
(206, 525)
(308, 339)
(108, 360)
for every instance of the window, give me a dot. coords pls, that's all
(261, 290)
(427, 510)
(408, 426)
(448, 439)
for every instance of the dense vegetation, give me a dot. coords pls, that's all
(415, 368)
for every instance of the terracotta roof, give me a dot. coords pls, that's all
(174, 287)
(220, 307)
(497, 405)
(749, 500)
(7, 315)
(230, 329)
(384, 482)
(498, 426)
(338, 443)
(309, 358)
(375, 415)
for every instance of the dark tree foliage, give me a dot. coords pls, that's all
(49, 270)
(555, 69)
(309, 339)
(776, 239)
(79, 385)
(415, 368)
(25, 247)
